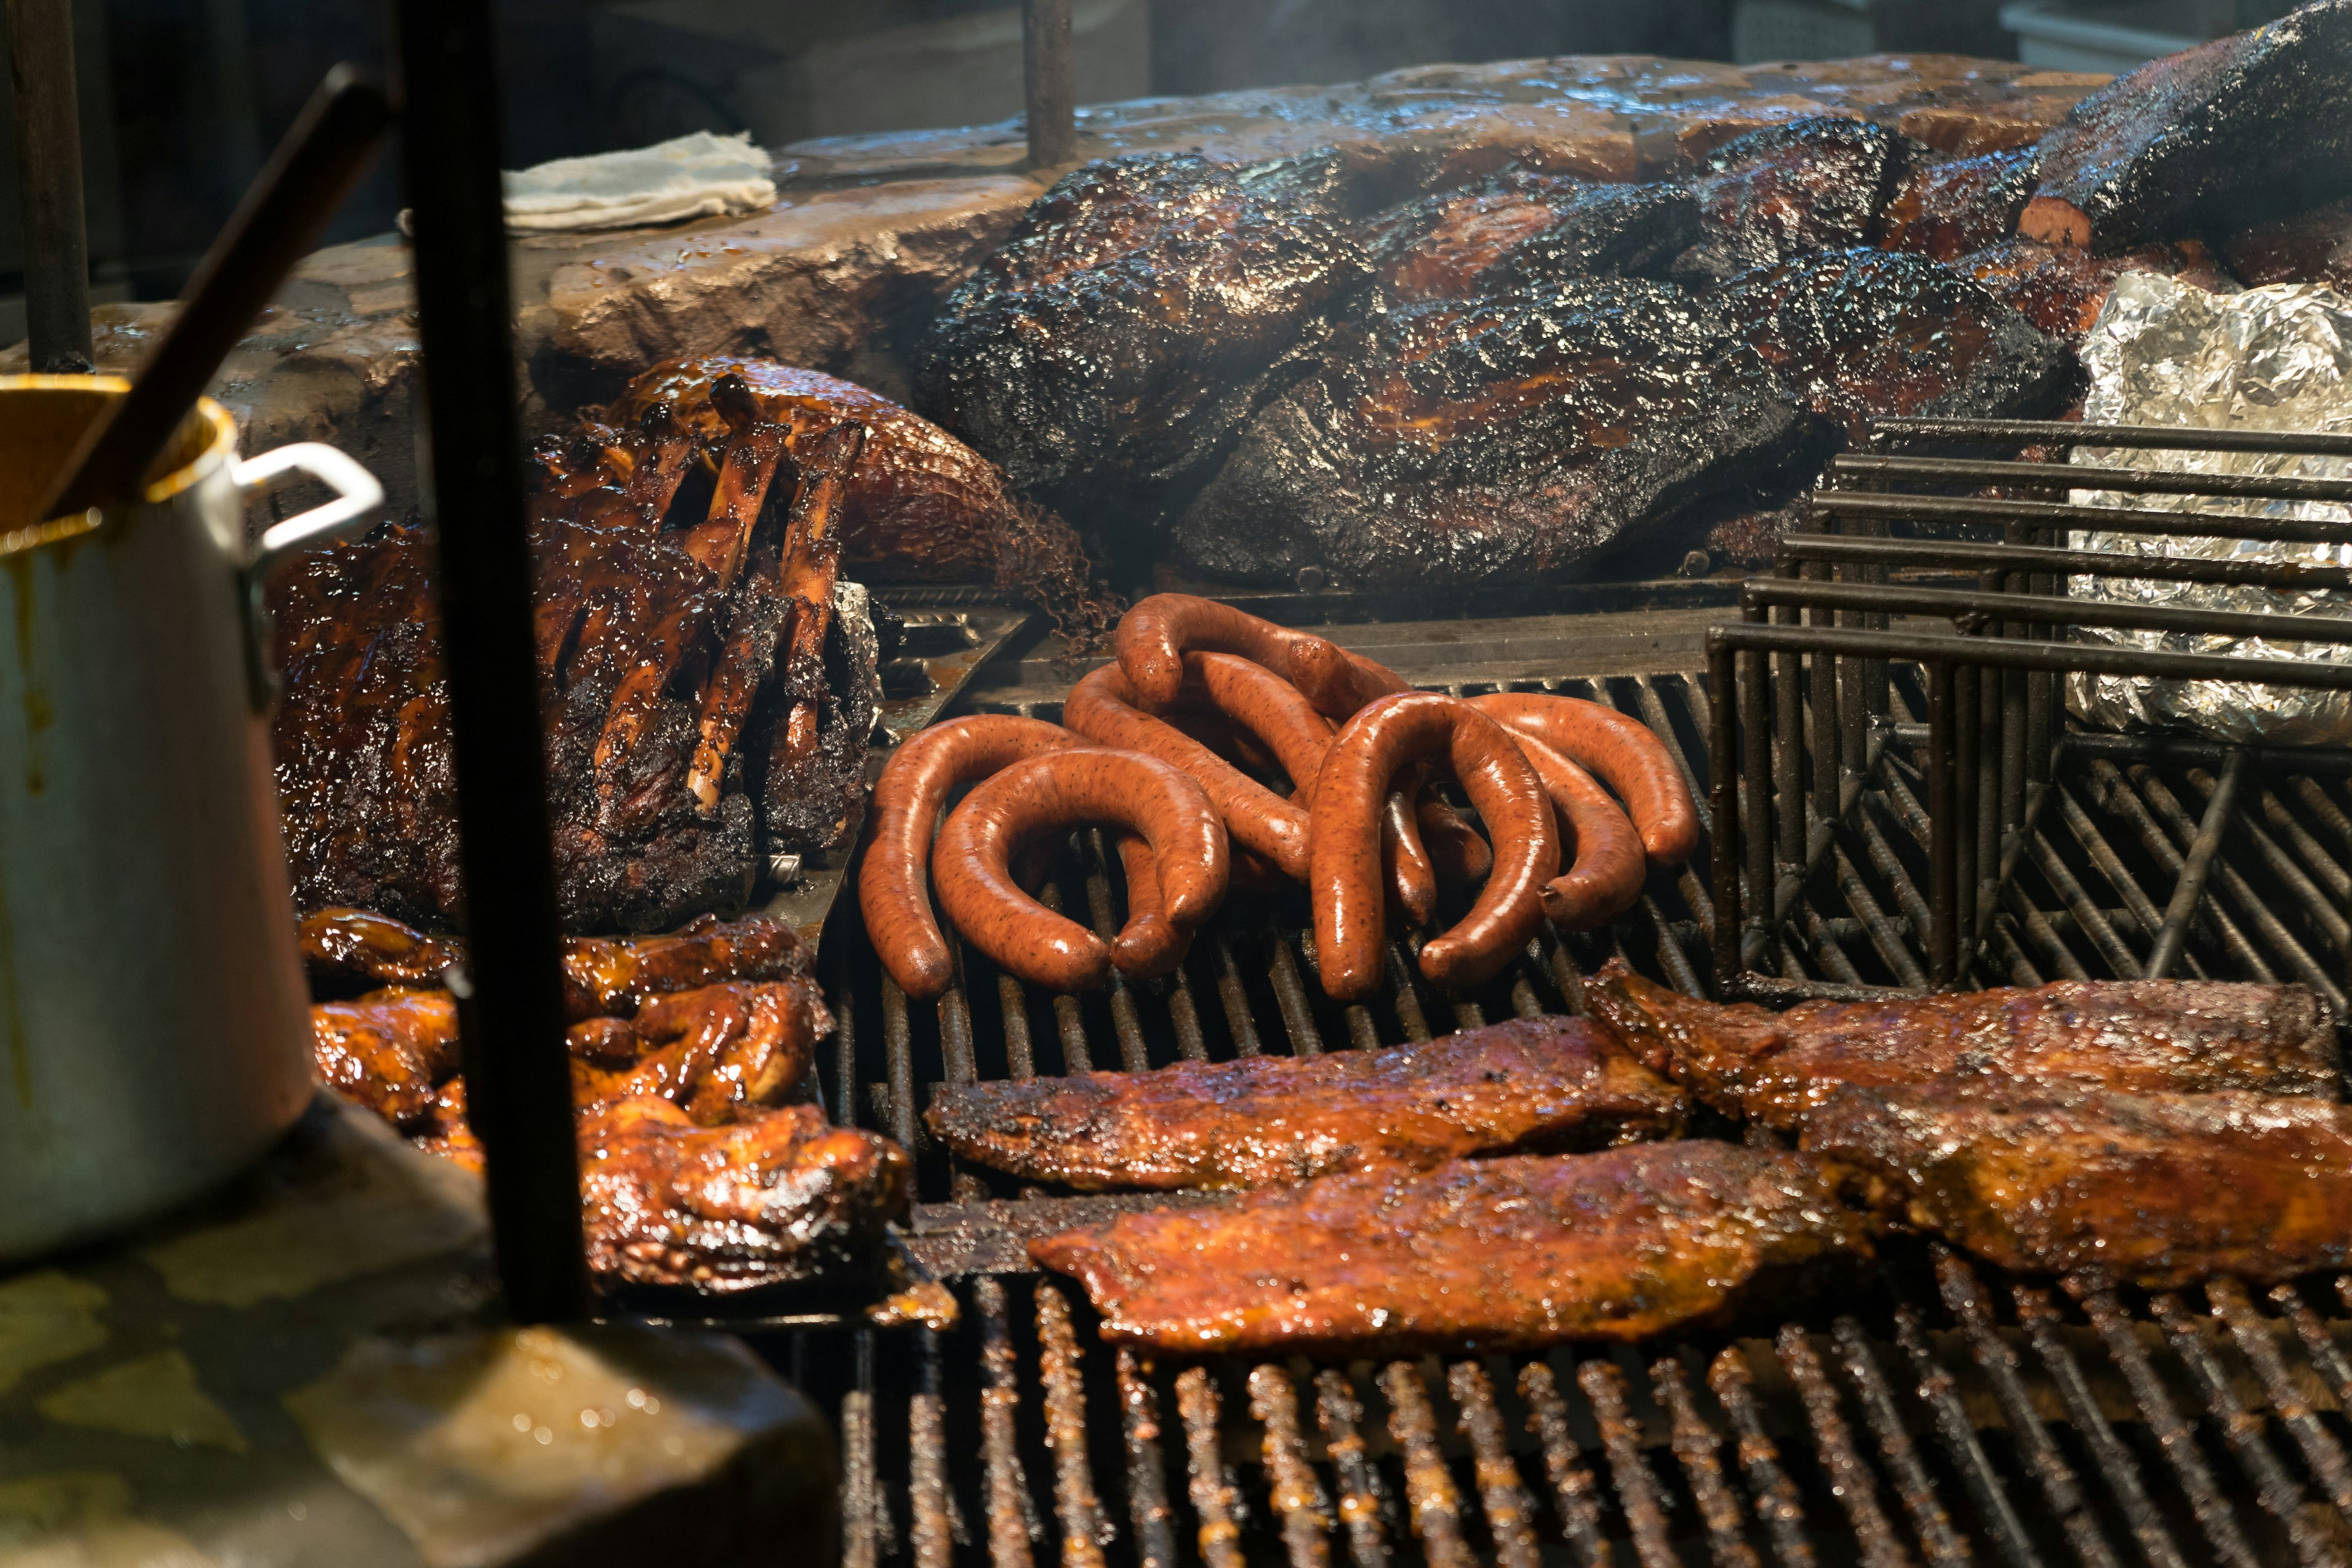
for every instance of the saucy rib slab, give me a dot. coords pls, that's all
(2156, 1190)
(2183, 1036)
(1516, 1253)
(1529, 1084)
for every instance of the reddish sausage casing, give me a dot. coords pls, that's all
(1609, 864)
(927, 767)
(1622, 751)
(972, 866)
(1349, 935)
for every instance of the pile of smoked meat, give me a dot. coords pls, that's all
(1168, 745)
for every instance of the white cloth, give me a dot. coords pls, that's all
(701, 176)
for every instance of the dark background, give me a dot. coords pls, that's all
(181, 99)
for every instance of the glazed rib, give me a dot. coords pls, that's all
(2157, 1189)
(2188, 1036)
(1510, 1254)
(1529, 1084)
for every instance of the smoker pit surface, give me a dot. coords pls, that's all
(1947, 1415)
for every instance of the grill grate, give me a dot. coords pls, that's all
(1945, 1418)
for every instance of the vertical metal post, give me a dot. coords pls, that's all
(1755, 804)
(1943, 865)
(49, 185)
(1966, 782)
(518, 1084)
(1789, 735)
(1050, 79)
(1723, 807)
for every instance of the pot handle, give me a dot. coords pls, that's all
(358, 499)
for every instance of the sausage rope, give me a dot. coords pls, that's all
(1622, 751)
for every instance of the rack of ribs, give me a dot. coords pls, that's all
(2153, 1190)
(1516, 1253)
(2218, 130)
(1531, 1084)
(2179, 1035)
(707, 703)
(1457, 442)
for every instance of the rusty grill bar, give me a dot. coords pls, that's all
(1947, 1416)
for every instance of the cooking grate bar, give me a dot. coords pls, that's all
(1013, 1524)
(1700, 1451)
(1297, 1496)
(1433, 1504)
(1363, 1504)
(1849, 1473)
(1575, 1494)
(1778, 1504)
(1147, 1482)
(1938, 1390)
(1215, 1501)
(1502, 1495)
(1637, 1485)
(2251, 1332)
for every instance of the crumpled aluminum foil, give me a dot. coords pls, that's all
(2275, 358)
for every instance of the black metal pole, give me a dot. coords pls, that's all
(1723, 807)
(49, 185)
(518, 1084)
(1051, 81)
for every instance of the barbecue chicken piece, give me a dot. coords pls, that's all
(1453, 443)
(693, 723)
(1529, 1084)
(774, 1199)
(714, 1051)
(1855, 334)
(602, 976)
(2060, 288)
(1518, 228)
(1946, 210)
(2153, 1190)
(388, 1050)
(1131, 322)
(2225, 129)
(2185, 1036)
(1782, 191)
(2312, 247)
(1510, 1253)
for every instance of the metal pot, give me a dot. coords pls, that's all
(154, 1030)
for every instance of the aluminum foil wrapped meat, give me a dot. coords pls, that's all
(2279, 358)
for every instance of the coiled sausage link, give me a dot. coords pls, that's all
(1155, 944)
(1610, 866)
(1277, 713)
(1101, 707)
(926, 769)
(1154, 635)
(973, 869)
(1391, 732)
(1622, 751)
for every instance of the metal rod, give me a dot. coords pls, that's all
(2079, 476)
(1049, 82)
(1216, 1502)
(2061, 514)
(1433, 1503)
(517, 1070)
(1011, 1527)
(1637, 1485)
(1938, 1390)
(2174, 931)
(2037, 1313)
(1777, 1503)
(1361, 1503)
(1943, 836)
(1700, 1451)
(1723, 792)
(1504, 1498)
(1086, 1528)
(1849, 1479)
(2007, 654)
(1963, 604)
(2251, 1331)
(1298, 1495)
(1960, 554)
(48, 185)
(1929, 1519)
(1147, 1476)
(930, 1504)
(2068, 433)
(1576, 1496)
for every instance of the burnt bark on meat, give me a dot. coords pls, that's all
(2191, 1037)
(1532, 1084)
(1857, 334)
(1772, 195)
(2230, 128)
(2060, 288)
(1132, 322)
(1946, 209)
(1512, 1254)
(2314, 247)
(1452, 443)
(1518, 228)
(2155, 1190)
